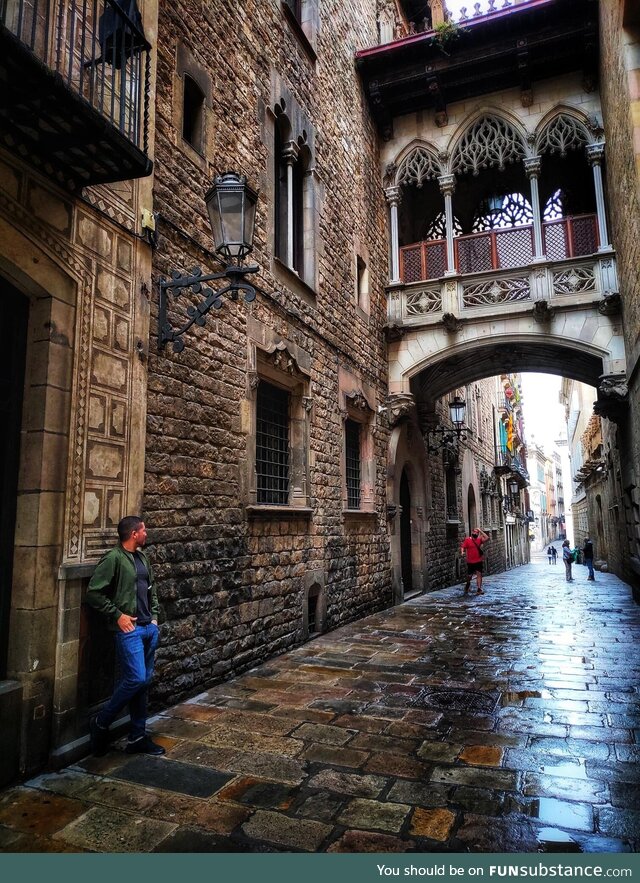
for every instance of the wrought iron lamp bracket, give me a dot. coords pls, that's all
(441, 439)
(211, 299)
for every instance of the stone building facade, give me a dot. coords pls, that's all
(75, 268)
(242, 578)
(620, 40)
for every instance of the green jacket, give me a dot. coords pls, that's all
(112, 588)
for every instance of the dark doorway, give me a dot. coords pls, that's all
(405, 534)
(14, 314)
(471, 508)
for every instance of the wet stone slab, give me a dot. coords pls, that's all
(373, 815)
(297, 834)
(173, 775)
(347, 783)
(103, 829)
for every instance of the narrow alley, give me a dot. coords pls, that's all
(507, 722)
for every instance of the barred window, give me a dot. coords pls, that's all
(272, 444)
(451, 491)
(352, 457)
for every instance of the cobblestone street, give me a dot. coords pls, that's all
(507, 722)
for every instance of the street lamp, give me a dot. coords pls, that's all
(442, 437)
(513, 488)
(231, 205)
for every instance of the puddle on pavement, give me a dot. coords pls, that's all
(551, 840)
(570, 769)
(511, 696)
(559, 812)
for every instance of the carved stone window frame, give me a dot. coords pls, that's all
(282, 363)
(186, 65)
(357, 403)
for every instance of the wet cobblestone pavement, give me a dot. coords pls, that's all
(508, 722)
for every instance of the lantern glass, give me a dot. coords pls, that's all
(457, 411)
(231, 204)
(513, 487)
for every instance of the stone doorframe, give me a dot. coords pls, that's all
(407, 452)
(82, 438)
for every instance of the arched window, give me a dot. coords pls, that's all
(499, 212)
(290, 166)
(193, 113)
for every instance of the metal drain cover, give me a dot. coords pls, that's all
(459, 700)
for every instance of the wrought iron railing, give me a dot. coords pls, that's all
(500, 249)
(97, 48)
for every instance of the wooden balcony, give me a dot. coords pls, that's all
(74, 89)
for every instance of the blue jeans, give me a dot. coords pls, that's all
(135, 653)
(589, 563)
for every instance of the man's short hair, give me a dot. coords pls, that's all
(127, 525)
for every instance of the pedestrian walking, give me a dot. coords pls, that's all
(567, 557)
(550, 554)
(587, 557)
(123, 591)
(472, 548)
(554, 554)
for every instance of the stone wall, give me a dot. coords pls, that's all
(620, 53)
(233, 579)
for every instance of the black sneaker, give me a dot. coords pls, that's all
(99, 738)
(145, 745)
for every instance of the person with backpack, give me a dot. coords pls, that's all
(567, 557)
(550, 553)
(472, 548)
(587, 557)
(554, 554)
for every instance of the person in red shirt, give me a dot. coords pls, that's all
(472, 548)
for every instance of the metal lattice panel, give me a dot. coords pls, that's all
(412, 263)
(575, 280)
(436, 259)
(496, 291)
(514, 247)
(585, 235)
(272, 444)
(474, 254)
(420, 166)
(437, 229)
(421, 303)
(489, 142)
(352, 458)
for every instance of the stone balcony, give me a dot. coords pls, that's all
(539, 286)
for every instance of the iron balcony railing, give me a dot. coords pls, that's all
(500, 249)
(97, 48)
(506, 461)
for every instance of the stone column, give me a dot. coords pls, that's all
(532, 168)
(595, 153)
(394, 196)
(290, 156)
(447, 186)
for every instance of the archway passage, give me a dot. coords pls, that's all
(14, 313)
(460, 366)
(406, 550)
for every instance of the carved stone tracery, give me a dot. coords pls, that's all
(491, 141)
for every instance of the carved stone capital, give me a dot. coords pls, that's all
(392, 511)
(611, 303)
(447, 184)
(400, 406)
(532, 166)
(595, 152)
(393, 194)
(290, 152)
(307, 403)
(254, 379)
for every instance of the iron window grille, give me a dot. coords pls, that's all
(352, 453)
(272, 444)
